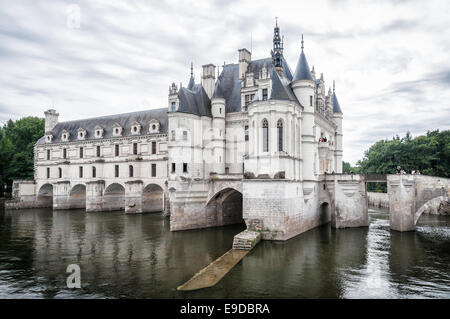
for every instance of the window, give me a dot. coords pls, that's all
(81, 152)
(130, 169)
(117, 149)
(173, 135)
(153, 127)
(173, 168)
(310, 100)
(220, 110)
(48, 172)
(264, 94)
(135, 128)
(173, 106)
(280, 135)
(153, 147)
(98, 151)
(65, 153)
(265, 125)
(248, 99)
(153, 170)
(59, 172)
(94, 172)
(185, 170)
(80, 171)
(135, 146)
(185, 135)
(246, 132)
(48, 155)
(116, 170)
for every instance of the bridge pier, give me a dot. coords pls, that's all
(412, 195)
(402, 204)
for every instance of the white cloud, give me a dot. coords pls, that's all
(389, 58)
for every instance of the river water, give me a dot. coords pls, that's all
(136, 256)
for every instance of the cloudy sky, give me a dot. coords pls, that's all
(390, 59)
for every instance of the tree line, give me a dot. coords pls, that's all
(430, 154)
(17, 139)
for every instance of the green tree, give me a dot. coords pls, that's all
(17, 139)
(428, 153)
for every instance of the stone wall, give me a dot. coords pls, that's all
(378, 199)
(349, 200)
(412, 195)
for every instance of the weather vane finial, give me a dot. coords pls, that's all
(334, 85)
(276, 22)
(302, 42)
(192, 69)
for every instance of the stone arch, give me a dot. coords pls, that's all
(153, 198)
(114, 197)
(225, 207)
(77, 196)
(432, 206)
(324, 213)
(45, 196)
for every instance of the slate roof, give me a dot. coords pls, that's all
(194, 101)
(302, 72)
(126, 120)
(228, 85)
(336, 106)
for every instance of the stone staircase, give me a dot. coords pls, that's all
(246, 240)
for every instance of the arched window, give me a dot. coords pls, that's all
(280, 135)
(131, 170)
(60, 172)
(265, 126)
(94, 172)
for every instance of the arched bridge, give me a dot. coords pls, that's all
(412, 195)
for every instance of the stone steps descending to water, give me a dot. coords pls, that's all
(246, 240)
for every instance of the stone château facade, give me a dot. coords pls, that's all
(254, 142)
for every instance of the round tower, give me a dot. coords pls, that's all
(218, 124)
(303, 86)
(337, 119)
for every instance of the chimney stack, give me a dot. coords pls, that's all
(209, 79)
(51, 119)
(245, 57)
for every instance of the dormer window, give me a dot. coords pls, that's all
(48, 137)
(81, 133)
(153, 126)
(117, 130)
(264, 94)
(135, 128)
(98, 131)
(65, 136)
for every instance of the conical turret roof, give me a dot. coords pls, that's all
(336, 106)
(302, 72)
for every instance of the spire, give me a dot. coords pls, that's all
(302, 72)
(336, 106)
(277, 51)
(191, 80)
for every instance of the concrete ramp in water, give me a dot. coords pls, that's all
(215, 271)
